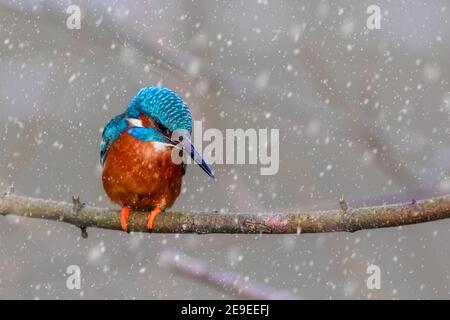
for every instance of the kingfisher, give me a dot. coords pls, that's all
(140, 172)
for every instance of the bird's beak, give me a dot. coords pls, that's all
(188, 147)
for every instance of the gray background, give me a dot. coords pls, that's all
(372, 106)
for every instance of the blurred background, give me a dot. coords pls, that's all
(361, 113)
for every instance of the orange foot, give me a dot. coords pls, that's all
(124, 217)
(151, 218)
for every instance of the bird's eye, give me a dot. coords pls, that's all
(163, 129)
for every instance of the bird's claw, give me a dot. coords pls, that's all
(151, 218)
(124, 218)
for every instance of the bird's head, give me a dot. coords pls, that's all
(159, 114)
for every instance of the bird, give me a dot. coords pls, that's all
(139, 171)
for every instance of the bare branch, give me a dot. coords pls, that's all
(223, 280)
(191, 222)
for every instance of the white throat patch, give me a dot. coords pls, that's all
(135, 123)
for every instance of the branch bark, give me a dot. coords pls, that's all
(350, 220)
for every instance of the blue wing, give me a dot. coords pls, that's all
(148, 134)
(111, 132)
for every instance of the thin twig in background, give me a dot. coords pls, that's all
(358, 123)
(223, 280)
(350, 220)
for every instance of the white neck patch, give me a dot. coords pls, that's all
(135, 123)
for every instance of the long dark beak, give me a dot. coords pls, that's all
(187, 146)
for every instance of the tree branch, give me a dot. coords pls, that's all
(350, 220)
(227, 281)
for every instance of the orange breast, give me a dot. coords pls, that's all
(141, 175)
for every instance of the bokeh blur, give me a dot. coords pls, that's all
(362, 113)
